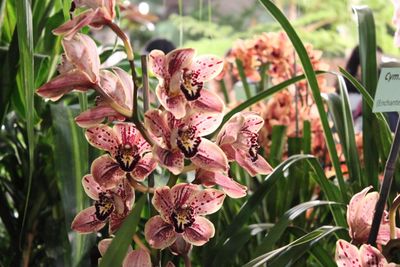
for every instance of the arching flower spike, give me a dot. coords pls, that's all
(181, 80)
(180, 139)
(129, 153)
(239, 140)
(110, 205)
(181, 211)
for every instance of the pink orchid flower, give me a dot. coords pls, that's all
(128, 153)
(210, 178)
(179, 139)
(239, 140)
(79, 70)
(360, 212)
(110, 205)
(101, 12)
(181, 209)
(133, 258)
(181, 78)
(348, 255)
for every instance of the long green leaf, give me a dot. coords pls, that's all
(118, 248)
(25, 44)
(312, 81)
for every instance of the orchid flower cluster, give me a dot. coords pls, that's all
(174, 137)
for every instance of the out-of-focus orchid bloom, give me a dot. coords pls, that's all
(181, 79)
(348, 255)
(129, 153)
(110, 205)
(133, 258)
(239, 140)
(210, 178)
(101, 12)
(181, 209)
(360, 212)
(79, 70)
(179, 139)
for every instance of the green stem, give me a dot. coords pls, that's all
(264, 77)
(243, 78)
(224, 91)
(172, 180)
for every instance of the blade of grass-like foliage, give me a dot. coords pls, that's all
(71, 150)
(26, 60)
(313, 83)
(369, 75)
(277, 143)
(287, 255)
(275, 233)
(242, 75)
(116, 252)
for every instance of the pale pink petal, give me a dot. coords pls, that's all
(229, 151)
(63, 84)
(96, 115)
(179, 59)
(91, 187)
(103, 245)
(205, 123)
(172, 160)
(163, 202)
(176, 104)
(157, 63)
(371, 256)
(210, 156)
(103, 137)
(123, 196)
(144, 167)
(155, 122)
(253, 167)
(206, 201)
(363, 217)
(182, 193)
(86, 222)
(230, 131)
(252, 122)
(207, 67)
(71, 27)
(158, 233)
(127, 87)
(232, 188)
(81, 51)
(208, 102)
(200, 232)
(346, 254)
(384, 233)
(137, 258)
(354, 205)
(180, 246)
(106, 172)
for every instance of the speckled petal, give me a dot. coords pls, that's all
(210, 156)
(158, 233)
(106, 172)
(86, 222)
(103, 137)
(200, 232)
(206, 201)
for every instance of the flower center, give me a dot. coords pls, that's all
(187, 141)
(253, 150)
(182, 218)
(104, 206)
(189, 85)
(127, 157)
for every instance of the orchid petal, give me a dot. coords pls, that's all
(127, 133)
(163, 202)
(253, 167)
(346, 254)
(207, 67)
(157, 63)
(115, 222)
(63, 84)
(181, 193)
(229, 133)
(155, 123)
(127, 86)
(176, 104)
(86, 222)
(172, 160)
(137, 258)
(371, 256)
(144, 167)
(103, 137)
(210, 156)
(71, 27)
(365, 212)
(229, 151)
(103, 245)
(354, 204)
(205, 123)
(179, 59)
(208, 102)
(96, 115)
(91, 187)
(158, 233)
(200, 232)
(206, 201)
(106, 172)
(252, 122)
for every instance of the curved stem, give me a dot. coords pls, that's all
(128, 47)
(187, 260)
(138, 186)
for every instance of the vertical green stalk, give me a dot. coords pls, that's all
(25, 44)
(200, 9)
(180, 6)
(242, 75)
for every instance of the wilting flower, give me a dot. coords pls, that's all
(110, 205)
(210, 178)
(133, 258)
(239, 140)
(349, 255)
(79, 70)
(101, 12)
(181, 209)
(179, 139)
(128, 153)
(181, 78)
(360, 212)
